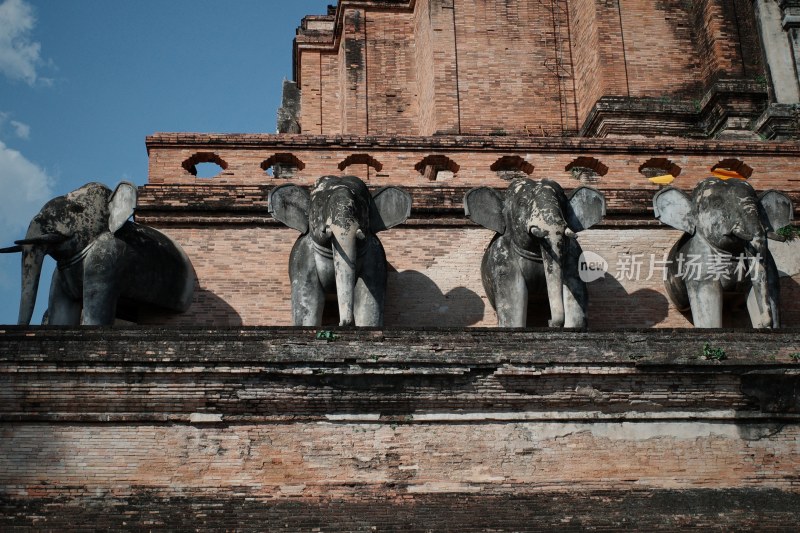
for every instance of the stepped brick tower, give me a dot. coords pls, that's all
(225, 416)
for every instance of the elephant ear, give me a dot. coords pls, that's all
(290, 204)
(777, 207)
(484, 206)
(673, 207)
(392, 206)
(586, 207)
(121, 205)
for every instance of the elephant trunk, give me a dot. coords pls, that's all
(552, 256)
(32, 259)
(344, 240)
(759, 301)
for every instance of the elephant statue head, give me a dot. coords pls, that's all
(102, 258)
(535, 249)
(338, 251)
(726, 229)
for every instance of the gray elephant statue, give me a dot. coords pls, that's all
(535, 249)
(724, 249)
(338, 251)
(103, 259)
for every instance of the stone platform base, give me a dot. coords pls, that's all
(452, 429)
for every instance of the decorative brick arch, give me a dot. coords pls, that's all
(511, 166)
(734, 165)
(190, 165)
(587, 169)
(361, 159)
(283, 159)
(284, 165)
(431, 165)
(659, 166)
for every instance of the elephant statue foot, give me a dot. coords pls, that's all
(102, 259)
(535, 250)
(338, 251)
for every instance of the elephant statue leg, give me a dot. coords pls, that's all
(370, 288)
(308, 302)
(505, 286)
(102, 280)
(308, 295)
(576, 299)
(705, 299)
(511, 301)
(769, 317)
(62, 309)
(368, 309)
(758, 316)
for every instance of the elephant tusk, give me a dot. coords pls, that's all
(360, 235)
(537, 232)
(569, 233)
(739, 234)
(11, 250)
(48, 238)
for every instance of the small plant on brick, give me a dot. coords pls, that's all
(795, 357)
(713, 354)
(789, 233)
(326, 335)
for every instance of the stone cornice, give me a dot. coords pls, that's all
(440, 206)
(470, 143)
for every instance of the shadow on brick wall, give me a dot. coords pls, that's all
(790, 310)
(207, 309)
(611, 306)
(415, 300)
(216, 311)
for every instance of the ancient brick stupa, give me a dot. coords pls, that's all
(228, 416)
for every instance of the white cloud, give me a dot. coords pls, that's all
(24, 188)
(22, 130)
(19, 55)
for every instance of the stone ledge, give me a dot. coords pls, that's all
(749, 349)
(778, 122)
(726, 109)
(457, 376)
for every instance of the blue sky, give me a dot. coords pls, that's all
(82, 82)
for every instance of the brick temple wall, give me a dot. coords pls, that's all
(388, 429)
(477, 67)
